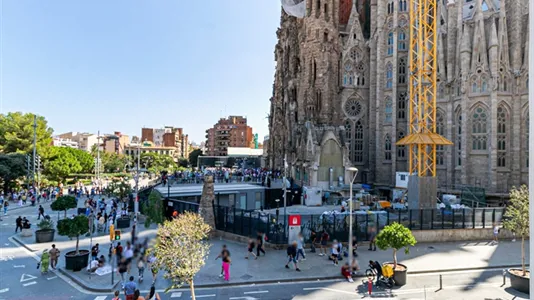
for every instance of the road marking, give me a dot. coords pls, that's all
(101, 297)
(330, 290)
(19, 266)
(50, 278)
(244, 298)
(4, 290)
(176, 295)
(30, 283)
(255, 292)
(26, 277)
(204, 296)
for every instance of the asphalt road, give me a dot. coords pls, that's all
(20, 279)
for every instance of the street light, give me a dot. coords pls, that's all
(354, 171)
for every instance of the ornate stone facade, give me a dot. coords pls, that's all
(347, 83)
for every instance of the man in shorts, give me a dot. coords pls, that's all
(292, 256)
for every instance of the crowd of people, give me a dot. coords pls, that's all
(223, 175)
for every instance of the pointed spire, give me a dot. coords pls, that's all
(479, 58)
(494, 40)
(493, 50)
(356, 33)
(526, 53)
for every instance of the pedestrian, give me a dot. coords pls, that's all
(292, 256)
(250, 249)
(354, 246)
(224, 253)
(153, 268)
(300, 247)
(45, 261)
(6, 204)
(141, 268)
(137, 295)
(94, 251)
(226, 261)
(313, 239)
(334, 252)
(259, 248)
(129, 289)
(324, 241)
(54, 255)
(118, 251)
(41, 212)
(116, 295)
(495, 233)
(152, 295)
(122, 268)
(18, 222)
(372, 239)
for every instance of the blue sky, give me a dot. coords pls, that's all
(125, 64)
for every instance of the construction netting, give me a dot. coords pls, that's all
(296, 8)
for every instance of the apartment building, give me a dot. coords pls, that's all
(85, 141)
(228, 132)
(168, 137)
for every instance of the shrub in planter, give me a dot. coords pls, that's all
(516, 219)
(45, 233)
(79, 225)
(396, 236)
(64, 203)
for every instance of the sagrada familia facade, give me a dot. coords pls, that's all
(340, 92)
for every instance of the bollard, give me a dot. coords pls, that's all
(503, 277)
(440, 281)
(370, 286)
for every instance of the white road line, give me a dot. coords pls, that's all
(176, 295)
(4, 290)
(455, 272)
(50, 278)
(19, 266)
(330, 290)
(205, 296)
(101, 297)
(255, 292)
(30, 283)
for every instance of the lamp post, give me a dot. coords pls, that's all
(354, 171)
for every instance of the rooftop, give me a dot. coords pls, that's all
(196, 189)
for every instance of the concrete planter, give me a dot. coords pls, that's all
(400, 276)
(76, 262)
(519, 283)
(44, 236)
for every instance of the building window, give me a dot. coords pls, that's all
(403, 5)
(440, 129)
(388, 110)
(360, 75)
(401, 40)
(348, 77)
(389, 76)
(358, 142)
(348, 131)
(484, 86)
(479, 130)
(401, 106)
(390, 43)
(502, 139)
(401, 150)
(391, 8)
(459, 138)
(387, 147)
(402, 70)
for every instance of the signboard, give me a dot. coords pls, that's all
(294, 220)
(294, 228)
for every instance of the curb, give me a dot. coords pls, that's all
(22, 244)
(82, 283)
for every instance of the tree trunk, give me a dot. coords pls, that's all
(65, 213)
(192, 288)
(394, 259)
(523, 256)
(77, 242)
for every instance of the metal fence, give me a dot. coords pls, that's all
(248, 223)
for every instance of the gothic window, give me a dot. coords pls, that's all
(474, 87)
(348, 77)
(403, 5)
(354, 54)
(484, 85)
(387, 147)
(401, 40)
(390, 8)
(403, 22)
(459, 138)
(502, 139)
(402, 70)
(401, 106)
(479, 129)
(388, 110)
(504, 84)
(348, 131)
(440, 129)
(389, 76)
(360, 75)
(401, 150)
(352, 107)
(390, 43)
(358, 142)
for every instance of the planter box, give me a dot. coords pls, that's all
(44, 236)
(123, 223)
(76, 262)
(519, 283)
(400, 277)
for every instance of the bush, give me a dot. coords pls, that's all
(64, 203)
(46, 224)
(395, 236)
(517, 218)
(73, 228)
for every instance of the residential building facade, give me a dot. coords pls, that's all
(228, 132)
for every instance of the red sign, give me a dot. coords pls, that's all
(294, 220)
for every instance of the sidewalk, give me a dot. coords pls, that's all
(424, 258)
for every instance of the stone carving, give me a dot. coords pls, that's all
(206, 201)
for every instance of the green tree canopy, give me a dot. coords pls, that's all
(156, 163)
(120, 189)
(153, 209)
(181, 249)
(395, 236)
(64, 203)
(60, 163)
(16, 133)
(193, 157)
(12, 167)
(516, 217)
(73, 228)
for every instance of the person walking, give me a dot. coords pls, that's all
(292, 256)
(226, 261)
(94, 251)
(54, 255)
(224, 253)
(372, 239)
(300, 247)
(259, 240)
(141, 268)
(6, 204)
(40, 210)
(152, 295)
(137, 295)
(250, 249)
(324, 241)
(116, 295)
(45, 261)
(153, 268)
(18, 222)
(129, 289)
(313, 239)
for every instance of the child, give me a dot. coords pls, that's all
(224, 253)
(226, 267)
(250, 249)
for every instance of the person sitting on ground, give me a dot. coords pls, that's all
(334, 252)
(93, 266)
(345, 271)
(101, 261)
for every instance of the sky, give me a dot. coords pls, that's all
(121, 65)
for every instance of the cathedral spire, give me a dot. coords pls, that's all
(356, 32)
(479, 58)
(493, 50)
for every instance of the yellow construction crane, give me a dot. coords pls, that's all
(422, 139)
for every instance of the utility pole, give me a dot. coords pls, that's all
(38, 171)
(136, 195)
(285, 192)
(28, 168)
(98, 157)
(34, 147)
(531, 145)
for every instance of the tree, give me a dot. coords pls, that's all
(516, 218)
(181, 249)
(84, 159)
(16, 133)
(182, 162)
(64, 203)
(12, 167)
(60, 163)
(74, 228)
(155, 163)
(396, 237)
(153, 209)
(120, 189)
(193, 157)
